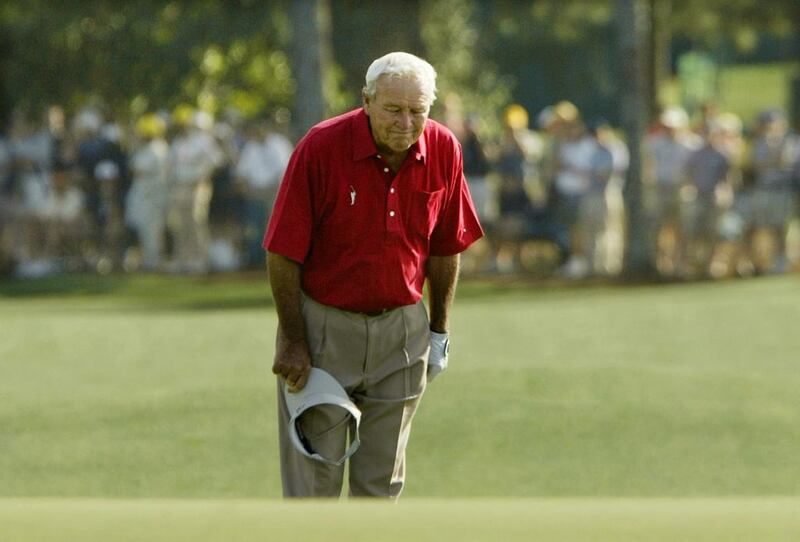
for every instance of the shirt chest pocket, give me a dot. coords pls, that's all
(422, 212)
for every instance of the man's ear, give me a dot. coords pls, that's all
(365, 102)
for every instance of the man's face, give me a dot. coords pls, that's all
(397, 113)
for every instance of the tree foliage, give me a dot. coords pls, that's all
(144, 54)
(556, 50)
(453, 37)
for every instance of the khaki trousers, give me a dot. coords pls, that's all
(381, 362)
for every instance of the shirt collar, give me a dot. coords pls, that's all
(364, 145)
(420, 148)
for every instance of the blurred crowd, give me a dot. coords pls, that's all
(719, 199)
(176, 192)
(183, 192)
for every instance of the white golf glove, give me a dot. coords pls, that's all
(437, 359)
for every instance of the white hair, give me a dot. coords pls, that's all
(402, 64)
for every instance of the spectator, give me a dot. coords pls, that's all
(226, 206)
(258, 173)
(577, 150)
(776, 151)
(95, 145)
(146, 202)
(29, 185)
(31, 142)
(613, 238)
(66, 224)
(706, 192)
(664, 156)
(279, 149)
(56, 129)
(731, 257)
(552, 122)
(194, 155)
(476, 171)
(110, 228)
(514, 206)
(593, 209)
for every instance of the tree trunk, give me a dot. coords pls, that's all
(795, 89)
(310, 56)
(633, 31)
(660, 55)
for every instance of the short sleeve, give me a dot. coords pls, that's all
(458, 225)
(291, 221)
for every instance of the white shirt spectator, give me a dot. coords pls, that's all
(147, 198)
(575, 160)
(194, 156)
(252, 166)
(278, 152)
(35, 188)
(149, 162)
(621, 159)
(262, 163)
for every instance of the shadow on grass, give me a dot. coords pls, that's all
(251, 290)
(212, 292)
(71, 285)
(479, 287)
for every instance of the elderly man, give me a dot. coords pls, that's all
(372, 204)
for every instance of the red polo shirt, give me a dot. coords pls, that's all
(362, 233)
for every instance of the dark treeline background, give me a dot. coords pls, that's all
(140, 55)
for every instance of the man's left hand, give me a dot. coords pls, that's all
(437, 359)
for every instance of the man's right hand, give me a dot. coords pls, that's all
(292, 363)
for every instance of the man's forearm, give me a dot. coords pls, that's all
(442, 279)
(284, 280)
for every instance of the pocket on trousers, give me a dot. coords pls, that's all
(416, 348)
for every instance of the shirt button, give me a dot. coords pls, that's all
(391, 213)
(391, 190)
(379, 156)
(386, 170)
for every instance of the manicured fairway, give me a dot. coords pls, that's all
(477, 520)
(159, 387)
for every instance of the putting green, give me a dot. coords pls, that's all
(598, 520)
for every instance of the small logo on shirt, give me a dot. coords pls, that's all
(352, 196)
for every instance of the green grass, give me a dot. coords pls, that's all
(477, 520)
(154, 387)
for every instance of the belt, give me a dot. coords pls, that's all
(370, 314)
(373, 314)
